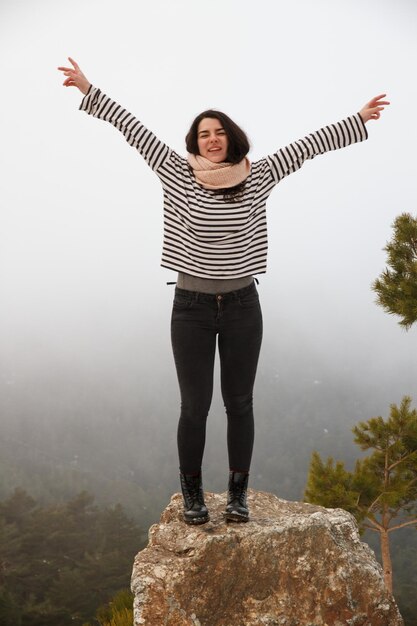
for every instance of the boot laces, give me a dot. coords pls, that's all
(238, 491)
(194, 491)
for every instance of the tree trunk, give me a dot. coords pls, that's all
(386, 559)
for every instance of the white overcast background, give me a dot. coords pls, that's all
(81, 214)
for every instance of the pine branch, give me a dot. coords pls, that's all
(371, 506)
(375, 525)
(401, 460)
(410, 523)
(396, 511)
(370, 528)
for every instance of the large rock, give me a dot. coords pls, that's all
(292, 564)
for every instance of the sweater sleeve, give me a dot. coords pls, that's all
(97, 104)
(289, 159)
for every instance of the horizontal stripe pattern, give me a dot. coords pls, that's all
(204, 234)
(289, 159)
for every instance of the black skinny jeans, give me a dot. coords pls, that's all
(197, 319)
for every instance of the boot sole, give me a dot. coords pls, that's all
(235, 517)
(197, 522)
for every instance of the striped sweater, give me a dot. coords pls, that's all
(204, 234)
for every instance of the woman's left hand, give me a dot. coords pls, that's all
(75, 77)
(372, 110)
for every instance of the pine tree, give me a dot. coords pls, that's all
(118, 612)
(396, 288)
(381, 492)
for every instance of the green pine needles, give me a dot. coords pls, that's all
(118, 612)
(396, 288)
(381, 492)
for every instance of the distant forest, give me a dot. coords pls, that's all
(60, 564)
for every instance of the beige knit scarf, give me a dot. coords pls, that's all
(218, 175)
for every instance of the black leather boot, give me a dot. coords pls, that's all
(195, 511)
(236, 509)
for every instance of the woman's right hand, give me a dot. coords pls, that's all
(75, 77)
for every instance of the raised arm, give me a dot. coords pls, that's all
(97, 104)
(339, 135)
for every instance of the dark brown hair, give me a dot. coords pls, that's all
(238, 143)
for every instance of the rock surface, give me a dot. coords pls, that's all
(292, 564)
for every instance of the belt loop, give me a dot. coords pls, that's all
(256, 280)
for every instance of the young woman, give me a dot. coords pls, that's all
(215, 238)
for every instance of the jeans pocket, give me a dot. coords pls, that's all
(182, 302)
(249, 300)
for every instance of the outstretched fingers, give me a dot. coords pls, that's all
(76, 66)
(372, 110)
(70, 69)
(377, 101)
(75, 77)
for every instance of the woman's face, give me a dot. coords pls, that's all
(212, 140)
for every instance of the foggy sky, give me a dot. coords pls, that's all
(81, 214)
